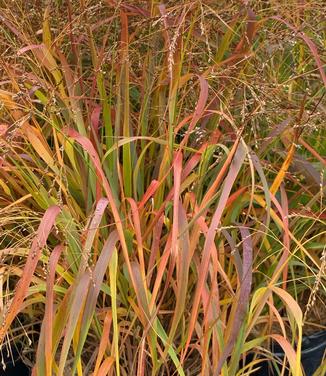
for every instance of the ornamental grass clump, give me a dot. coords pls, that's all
(161, 184)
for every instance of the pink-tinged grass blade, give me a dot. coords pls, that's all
(91, 232)
(77, 306)
(44, 355)
(183, 258)
(289, 353)
(243, 297)
(43, 232)
(49, 306)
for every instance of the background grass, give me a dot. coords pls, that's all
(161, 184)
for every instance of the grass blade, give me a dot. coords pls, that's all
(202, 272)
(94, 290)
(39, 242)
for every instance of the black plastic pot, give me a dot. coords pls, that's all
(313, 352)
(14, 366)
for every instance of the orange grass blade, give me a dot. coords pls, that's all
(106, 366)
(139, 239)
(105, 341)
(210, 237)
(88, 146)
(285, 166)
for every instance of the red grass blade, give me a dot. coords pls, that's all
(154, 185)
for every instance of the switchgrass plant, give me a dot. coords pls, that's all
(161, 184)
